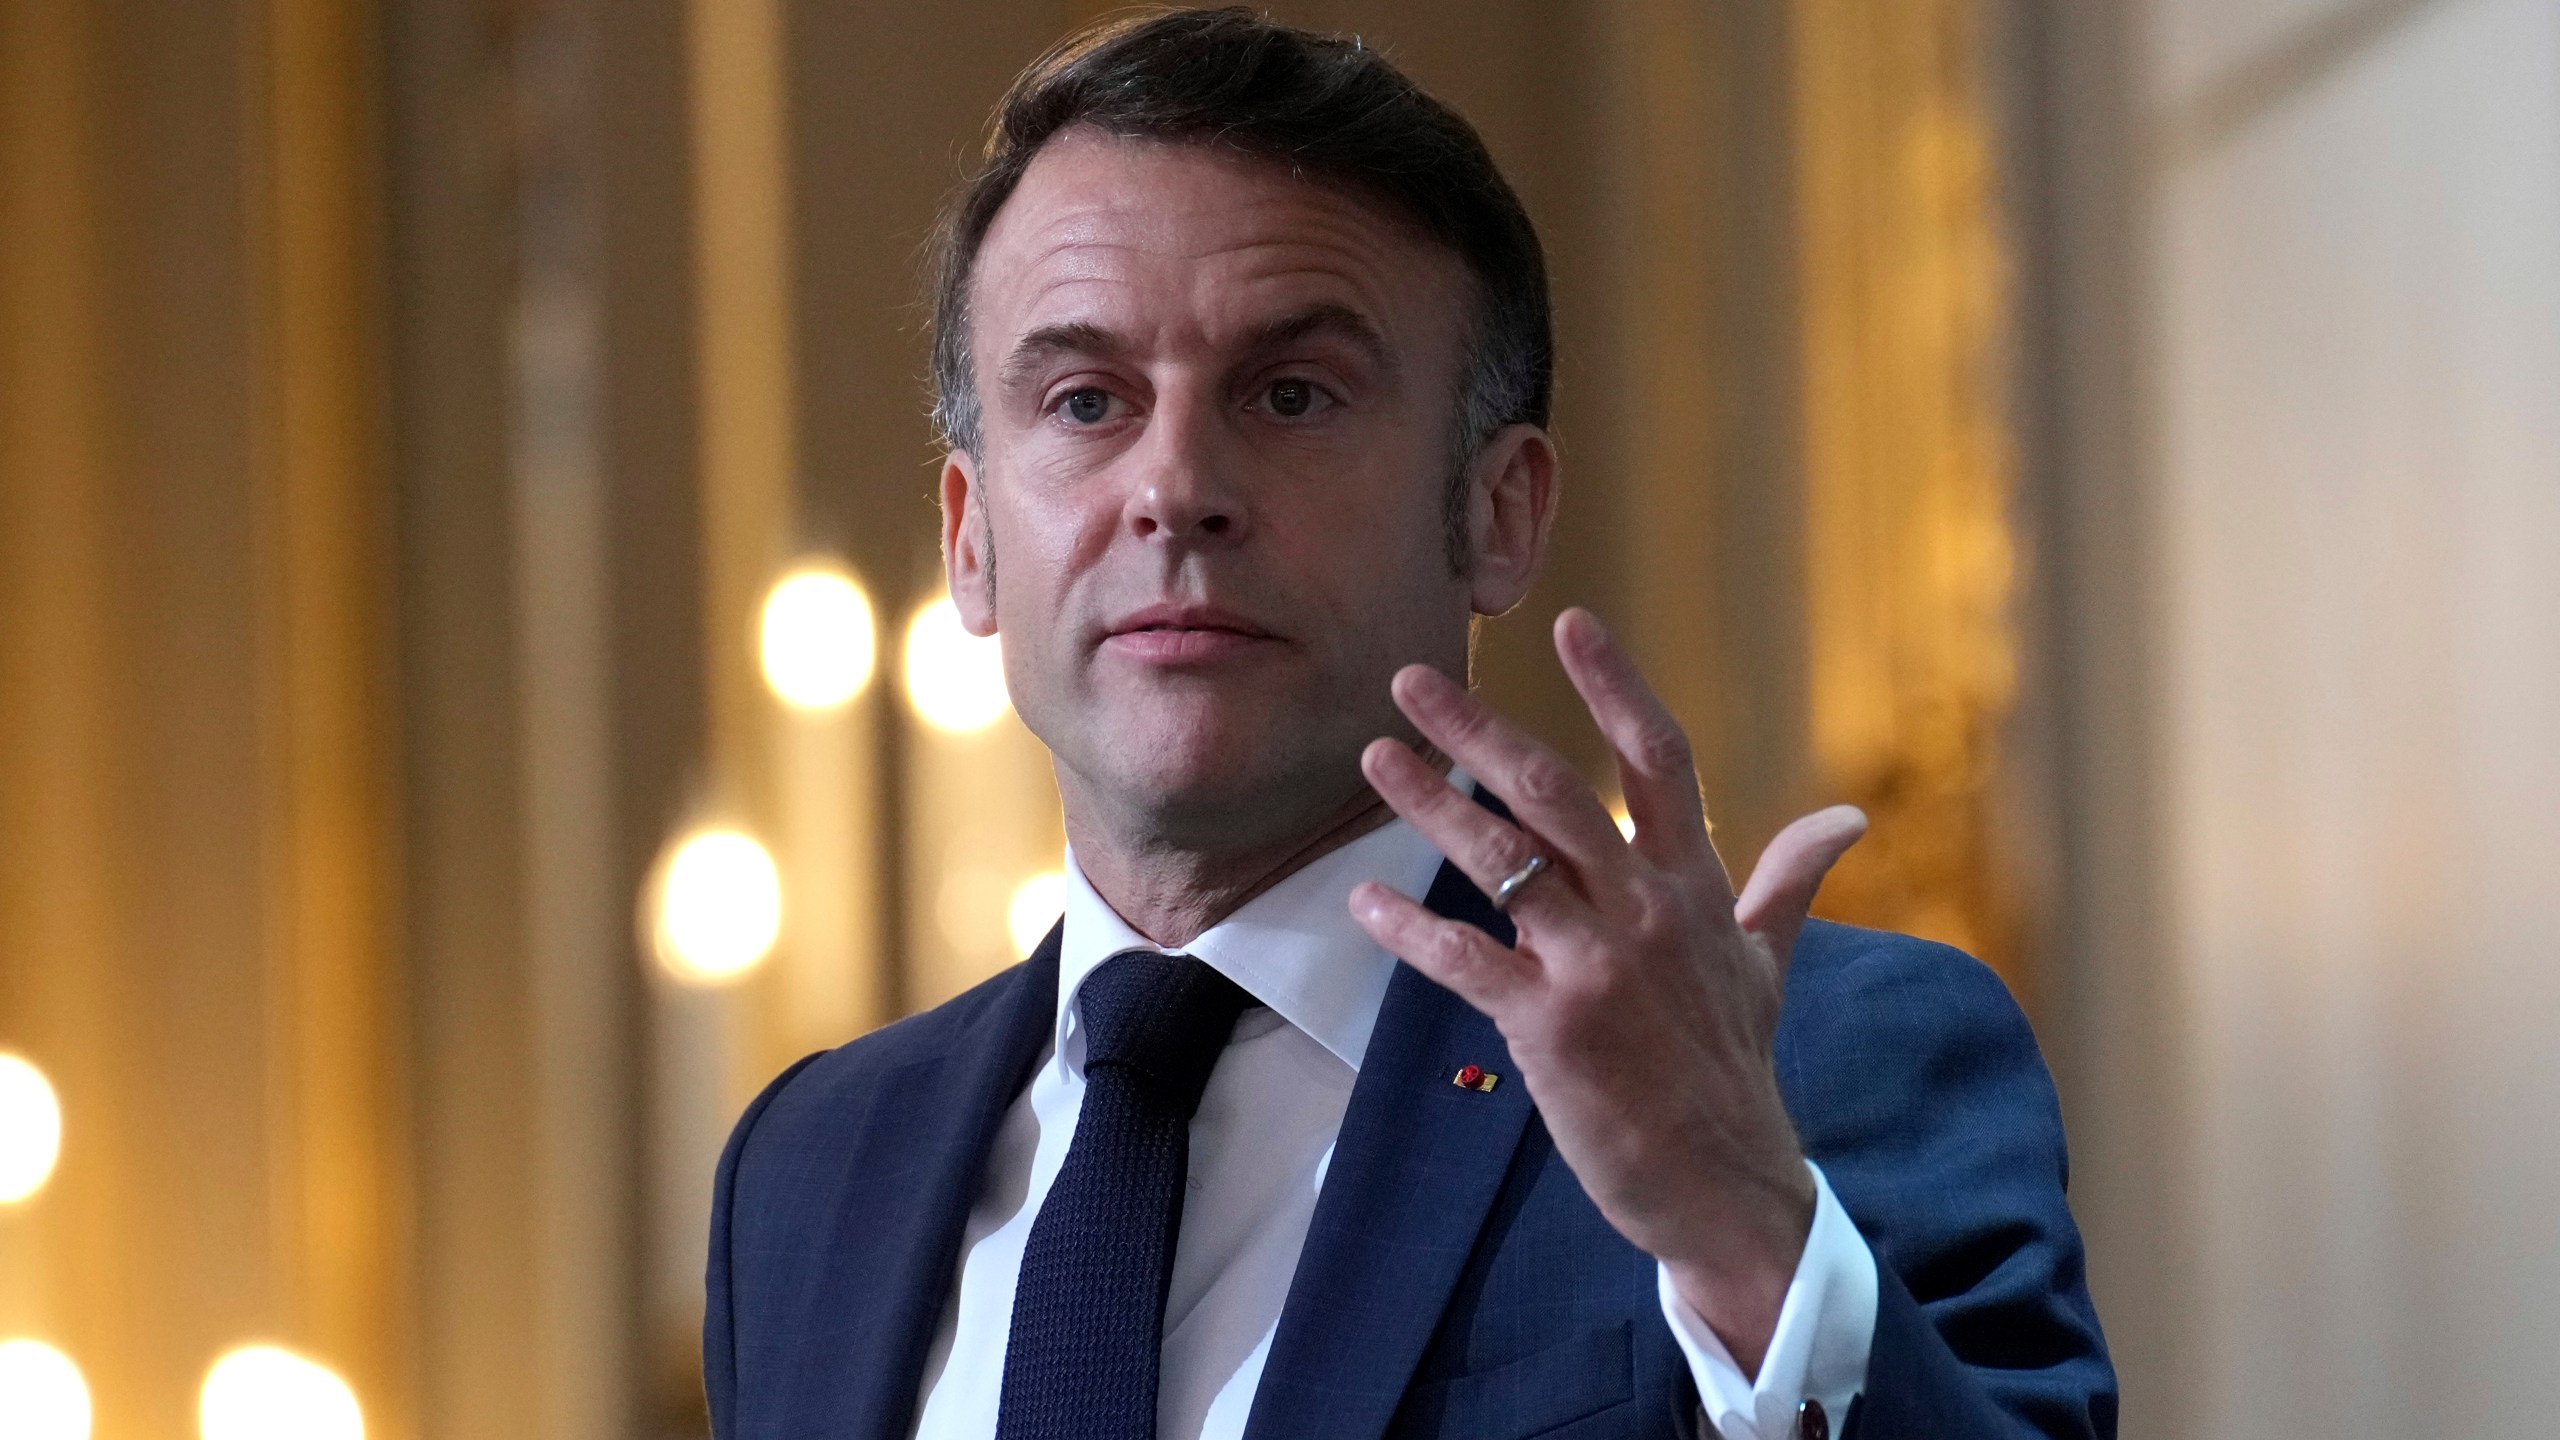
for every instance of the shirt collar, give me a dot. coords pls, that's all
(1294, 947)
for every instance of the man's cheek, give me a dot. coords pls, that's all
(1319, 529)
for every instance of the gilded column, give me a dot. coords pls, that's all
(322, 567)
(1907, 467)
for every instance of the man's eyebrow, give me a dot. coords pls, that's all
(1075, 337)
(1340, 320)
(1083, 337)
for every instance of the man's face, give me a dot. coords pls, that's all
(1206, 512)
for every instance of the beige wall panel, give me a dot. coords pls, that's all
(2360, 339)
(2196, 42)
(983, 818)
(58, 916)
(193, 703)
(888, 108)
(510, 1235)
(2088, 756)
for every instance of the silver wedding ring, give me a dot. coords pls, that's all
(1512, 883)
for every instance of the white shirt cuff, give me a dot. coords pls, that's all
(1825, 1329)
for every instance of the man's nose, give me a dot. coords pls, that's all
(1187, 491)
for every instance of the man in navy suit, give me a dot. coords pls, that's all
(1372, 1085)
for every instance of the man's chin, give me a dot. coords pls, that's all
(1211, 789)
(1198, 781)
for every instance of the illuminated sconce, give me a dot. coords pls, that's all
(42, 1395)
(817, 639)
(264, 1392)
(1626, 823)
(30, 1129)
(718, 907)
(1035, 907)
(955, 680)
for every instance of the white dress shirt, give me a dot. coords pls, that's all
(1259, 1147)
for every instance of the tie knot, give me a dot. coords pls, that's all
(1163, 1019)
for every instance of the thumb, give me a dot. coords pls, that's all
(1782, 885)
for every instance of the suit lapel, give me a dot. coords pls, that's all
(1415, 1171)
(911, 1178)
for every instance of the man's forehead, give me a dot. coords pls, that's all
(1105, 230)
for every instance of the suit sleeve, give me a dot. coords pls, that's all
(719, 1314)
(1918, 1088)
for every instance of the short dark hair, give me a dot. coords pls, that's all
(1326, 106)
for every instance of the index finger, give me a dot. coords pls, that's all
(1547, 797)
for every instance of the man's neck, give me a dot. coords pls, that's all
(1171, 894)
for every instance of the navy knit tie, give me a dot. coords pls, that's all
(1088, 1314)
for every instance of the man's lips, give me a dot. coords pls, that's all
(1184, 635)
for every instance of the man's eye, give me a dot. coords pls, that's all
(1087, 407)
(1290, 399)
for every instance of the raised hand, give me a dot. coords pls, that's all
(1641, 1000)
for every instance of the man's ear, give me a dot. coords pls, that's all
(1511, 510)
(968, 548)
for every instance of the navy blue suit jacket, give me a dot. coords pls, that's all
(1456, 1281)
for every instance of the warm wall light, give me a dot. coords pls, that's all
(263, 1392)
(955, 680)
(818, 639)
(718, 907)
(30, 1129)
(42, 1396)
(1035, 907)
(1626, 823)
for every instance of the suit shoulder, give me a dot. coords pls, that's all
(1886, 1037)
(1840, 972)
(816, 1093)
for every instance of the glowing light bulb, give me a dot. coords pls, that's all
(42, 1396)
(818, 639)
(1626, 822)
(1036, 904)
(30, 1129)
(955, 680)
(719, 907)
(265, 1392)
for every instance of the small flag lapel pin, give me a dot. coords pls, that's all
(1475, 1077)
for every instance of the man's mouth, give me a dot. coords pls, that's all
(1184, 635)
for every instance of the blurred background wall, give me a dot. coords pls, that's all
(473, 703)
(2300, 343)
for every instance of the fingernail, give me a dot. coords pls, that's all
(1569, 632)
(1425, 684)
